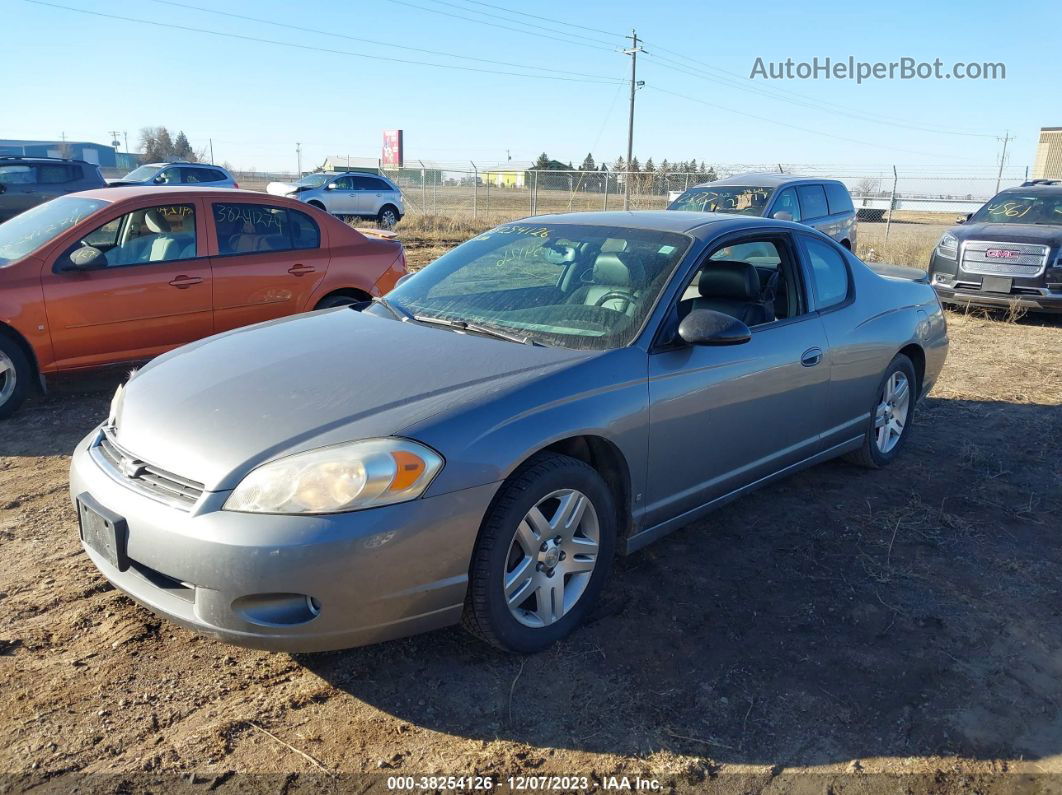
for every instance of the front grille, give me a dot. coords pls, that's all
(1030, 260)
(144, 477)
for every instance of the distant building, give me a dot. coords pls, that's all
(104, 156)
(511, 174)
(1049, 154)
(370, 165)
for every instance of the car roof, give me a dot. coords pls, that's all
(183, 163)
(697, 224)
(1041, 188)
(123, 192)
(45, 159)
(764, 180)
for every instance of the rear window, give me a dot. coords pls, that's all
(812, 201)
(838, 198)
(49, 174)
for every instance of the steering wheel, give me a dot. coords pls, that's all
(613, 294)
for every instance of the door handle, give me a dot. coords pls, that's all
(811, 357)
(184, 282)
(300, 270)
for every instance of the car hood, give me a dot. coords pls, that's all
(212, 410)
(281, 188)
(1010, 233)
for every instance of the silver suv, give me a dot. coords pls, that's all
(203, 175)
(353, 193)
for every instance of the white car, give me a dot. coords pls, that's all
(351, 193)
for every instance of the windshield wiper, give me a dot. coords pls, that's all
(399, 314)
(475, 328)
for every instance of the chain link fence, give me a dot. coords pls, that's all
(497, 194)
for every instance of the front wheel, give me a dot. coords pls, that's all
(543, 555)
(15, 374)
(890, 417)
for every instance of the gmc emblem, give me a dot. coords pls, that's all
(1002, 253)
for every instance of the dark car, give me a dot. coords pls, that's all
(28, 181)
(1007, 254)
(822, 204)
(178, 174)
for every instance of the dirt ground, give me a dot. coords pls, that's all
(842, 630)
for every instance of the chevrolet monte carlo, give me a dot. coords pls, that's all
(478, 444)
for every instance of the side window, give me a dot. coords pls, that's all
(251, 228)
(344, 183)
(17, 175)
(152, 234)
(168, 176)
(304, 232)
(196, 176)
(812, 201)
(838, 198)
(56, 174)
(787, 203)
(364, 183)
(376, 185)
(829, 273)
(754, 281)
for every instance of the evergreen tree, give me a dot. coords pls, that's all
(588, 163)
(182, 150)
(634, 165)
(543, 161)
(621, 164)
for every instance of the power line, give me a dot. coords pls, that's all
(503, 27)
(371, 41)
(528, 24)
(243, 37)
(818, 133)
(544, 19)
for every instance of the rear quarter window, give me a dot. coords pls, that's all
(838, 198)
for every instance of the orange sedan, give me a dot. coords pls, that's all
(124, 274)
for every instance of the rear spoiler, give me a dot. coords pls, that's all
(383, 234)
(899, 272)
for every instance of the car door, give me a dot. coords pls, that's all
(814, 210)
(723, 417)
(18, 188)
(267, 261)
(149, 291)
(341, 198)
(786, 203)
(370, 192)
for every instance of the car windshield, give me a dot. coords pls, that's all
(1021, 208)
(573, 286)
(312, 181)
(737, 199)
(143, 173)
(32, 229)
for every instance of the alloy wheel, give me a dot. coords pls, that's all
(551, 558)
(7, 377)
(890, 416)
(388, 218)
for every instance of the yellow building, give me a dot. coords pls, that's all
(512, 174)
(1049, 154)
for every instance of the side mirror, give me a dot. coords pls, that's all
(331, 186)
(158, 180)
(962, 219)
(85, 258)
(708, 327)
(782, 215)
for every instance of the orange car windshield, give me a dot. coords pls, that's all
(32, 229)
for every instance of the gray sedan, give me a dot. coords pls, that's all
(478, 445)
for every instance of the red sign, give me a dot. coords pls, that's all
(392, 149)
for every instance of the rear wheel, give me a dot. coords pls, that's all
(15, 375)
(388, 216)
(890, 417)
(543, 555)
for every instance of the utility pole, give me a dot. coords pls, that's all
(1003, 157)
(126, 136)
(211, 149)
(298, 155)
(635, 85)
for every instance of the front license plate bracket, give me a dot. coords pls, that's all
(104, 531)
(996, 284)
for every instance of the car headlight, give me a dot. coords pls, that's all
(948, 247)
(344, 477)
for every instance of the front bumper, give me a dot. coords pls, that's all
(1035, 302)
(375, 575)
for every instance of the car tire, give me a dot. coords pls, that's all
(318, 205)
(570, 574)
(880, 448)
(339, 299)
(16, 373)
(388, 216)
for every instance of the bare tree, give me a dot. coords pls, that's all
(867, 187)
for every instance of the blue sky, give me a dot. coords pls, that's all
(85, 75)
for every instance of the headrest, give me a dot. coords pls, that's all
(730, 279)
(156, 222)
(617, 270)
